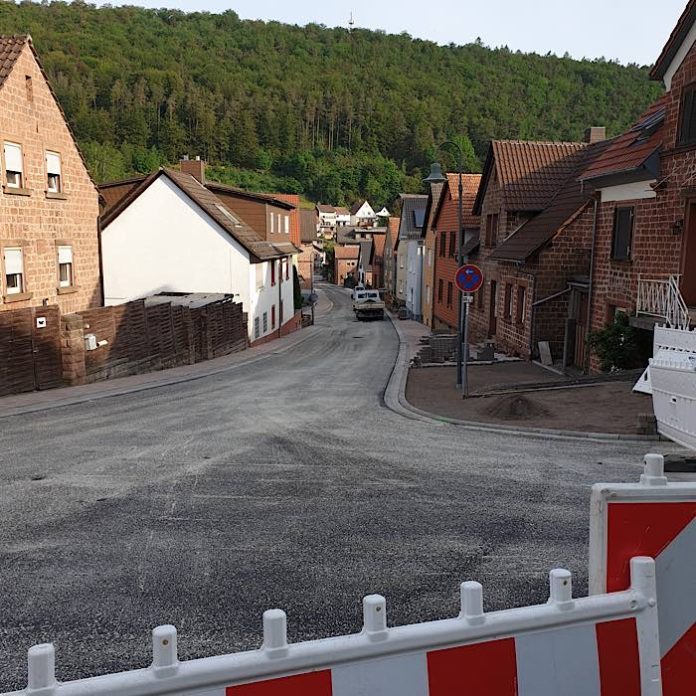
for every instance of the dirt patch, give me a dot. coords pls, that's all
(606, 408)
(517, 407)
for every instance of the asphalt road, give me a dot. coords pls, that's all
(286, 484)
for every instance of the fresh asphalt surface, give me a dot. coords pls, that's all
(286, 483)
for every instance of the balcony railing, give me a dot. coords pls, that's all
(661, 297)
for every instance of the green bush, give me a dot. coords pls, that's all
(616, 345)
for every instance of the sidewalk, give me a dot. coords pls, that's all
(608, 411)
(30, 402)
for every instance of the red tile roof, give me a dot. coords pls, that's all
(569, 202)
(380, 241)
(530, 173)
(351, 251)
(470, 187)
(674, 42)
(631, 150)
(10, 48)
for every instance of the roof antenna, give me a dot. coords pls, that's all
(351, 24)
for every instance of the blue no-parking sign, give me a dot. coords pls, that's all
(469, 278)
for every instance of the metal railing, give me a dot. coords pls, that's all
(661, 297)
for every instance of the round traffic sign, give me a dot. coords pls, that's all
(469, 278)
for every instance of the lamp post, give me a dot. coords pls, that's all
(437, 177)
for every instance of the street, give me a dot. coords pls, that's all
(286, 483)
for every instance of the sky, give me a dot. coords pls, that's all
(630, 31)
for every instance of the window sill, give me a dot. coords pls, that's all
(622, 262)
(18, 297)
(10, 191)
(56, 196)
(68, 291)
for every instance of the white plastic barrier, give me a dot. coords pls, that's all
(657, 519)
(605, 645)
(668, 344)
(673, 382)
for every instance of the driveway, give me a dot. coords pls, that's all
(285, 483)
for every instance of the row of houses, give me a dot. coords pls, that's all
(568, 234)
(66, 242)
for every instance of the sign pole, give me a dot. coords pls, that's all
(465, 363)
(468, 279)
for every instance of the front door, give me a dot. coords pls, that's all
(688, 268)
(492, 312)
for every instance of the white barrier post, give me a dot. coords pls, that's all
(164, 651)
(375, 617)
(654, 473)
(275, 633)
(41, 663)
(561, 589)
(472, 603)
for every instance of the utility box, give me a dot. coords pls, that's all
(90, 342)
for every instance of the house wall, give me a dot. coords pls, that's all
(401, 270)
(479, 310)
(428, 281)
(343, 268)
(252, 212)
(414, 277)
(655, 249)
(35, 221)
(164, 242)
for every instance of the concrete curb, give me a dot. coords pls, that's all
(156, 384)
(395, 400)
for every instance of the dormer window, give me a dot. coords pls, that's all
(53, 171)
(14, 166)
(687, 122)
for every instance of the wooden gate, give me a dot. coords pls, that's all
(30, 350)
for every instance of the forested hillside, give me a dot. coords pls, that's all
(331, 114)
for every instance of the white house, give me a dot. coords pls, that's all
(362, 215)
(327, 216)
(411, 245)
(171, 234)
(342, 217)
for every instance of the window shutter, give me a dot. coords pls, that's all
(13, 158)
(53, 163)
(65, 254)
(622, 233)
(13, 261)
(686, 127)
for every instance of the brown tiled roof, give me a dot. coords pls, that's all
(351, 251)
(10, 48)
(212, 206)
(567, 204)
(113, 191)
(631, 150)
(529, 173)
(342, 211)
(686, 21)
(308, 226)
(470, 187)
(325, 208)
(262, 197)
(380, 241)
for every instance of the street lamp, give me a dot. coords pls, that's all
(437, 177)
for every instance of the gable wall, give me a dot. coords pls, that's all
(34, 221)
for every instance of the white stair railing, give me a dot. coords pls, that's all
(661, 297)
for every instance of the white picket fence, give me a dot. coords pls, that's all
(607, 644)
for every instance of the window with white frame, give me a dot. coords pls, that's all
(14, 270)
(287, 225)
(65, 266)
(53, 172)
(260, 280)
(14, 165)
(257, 327)
(272, 222)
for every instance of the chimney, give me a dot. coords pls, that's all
(595, 134)
(195, 167)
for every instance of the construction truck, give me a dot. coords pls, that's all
(367, 304)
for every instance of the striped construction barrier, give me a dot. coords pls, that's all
(652, 518)
(604, 645)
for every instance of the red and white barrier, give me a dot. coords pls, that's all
(606, 645)
(653, 518)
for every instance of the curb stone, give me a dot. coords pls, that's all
(395, 400)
